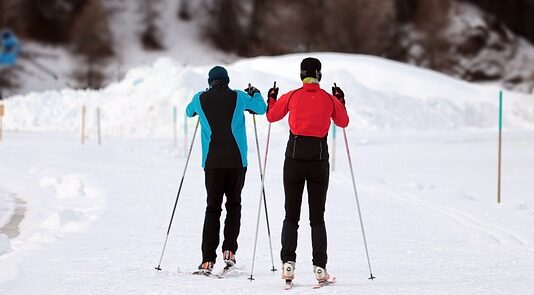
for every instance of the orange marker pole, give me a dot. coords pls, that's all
(1, 117)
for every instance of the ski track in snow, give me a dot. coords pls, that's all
(97, 216)
(100, 231)
(499, 235)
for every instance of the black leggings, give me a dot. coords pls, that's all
(316, 175)
(221, 182)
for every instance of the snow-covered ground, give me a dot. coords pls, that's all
(424, 148)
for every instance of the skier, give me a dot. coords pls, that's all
(9, 51)
(9, 48)
(306, 160)
(224, 158)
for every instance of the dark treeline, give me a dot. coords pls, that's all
(518, 15)
(414, 31)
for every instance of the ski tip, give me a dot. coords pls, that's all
(288, 284)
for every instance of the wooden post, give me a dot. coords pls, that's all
(174, 125)
(98, 126)
(500, 150)
(83, 125)
(1, 117)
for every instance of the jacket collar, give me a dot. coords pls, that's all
(311, 86)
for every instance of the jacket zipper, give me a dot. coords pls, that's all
(321, 150)
(294, 145)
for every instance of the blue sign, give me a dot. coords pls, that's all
(9, 48)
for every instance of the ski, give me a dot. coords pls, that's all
(220, 275)
(202, 272)
(225, 270)
(288, 285)
(330, 281)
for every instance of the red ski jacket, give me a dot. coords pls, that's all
(310, 109)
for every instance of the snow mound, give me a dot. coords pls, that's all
(67, 187)
(381, 95)
(7, 208)
(66, 220)
(4, 244)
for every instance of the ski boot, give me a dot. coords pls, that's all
(322, 277)
(229, 258)
(205, 268)
(288, 273)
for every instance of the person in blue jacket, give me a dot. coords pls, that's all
(9, 48)
(224, 158)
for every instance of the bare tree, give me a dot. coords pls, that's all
(45, 21)
(183, 11)
(151, 35)
(431, 18)
(223, 27)
(91, 39)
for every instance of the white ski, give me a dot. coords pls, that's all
(288, 285)
(329, 281)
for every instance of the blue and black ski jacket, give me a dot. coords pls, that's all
(223, 133)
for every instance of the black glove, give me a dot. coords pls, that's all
(251, 112)
(272, 94)
(251, 90)
(338, 93)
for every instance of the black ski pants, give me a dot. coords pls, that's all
(315, 174)
(220, 182)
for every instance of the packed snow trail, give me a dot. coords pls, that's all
(428, 233)
(424, 151)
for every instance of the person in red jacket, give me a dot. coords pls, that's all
(310, 111)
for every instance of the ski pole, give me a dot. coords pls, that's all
(273, 269)
(251, 278)
(178, 195)
(357, 201)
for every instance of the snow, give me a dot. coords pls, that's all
(6, 208)
(4, 244)
(182, 40)
(386, 95)
(424, 149)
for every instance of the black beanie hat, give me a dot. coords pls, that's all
(218, 73)
(310, 67)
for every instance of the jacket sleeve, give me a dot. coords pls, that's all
(191, 109)
(279, 108)
(339, 115)
(253, 103)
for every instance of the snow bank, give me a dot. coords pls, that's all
(4, 244)
(66, 220)
(381, 95)
(66, 205)
(67, 187)
(7, 208)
